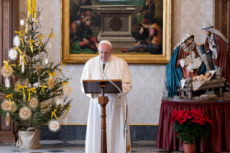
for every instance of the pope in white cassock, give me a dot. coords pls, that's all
(115, 68)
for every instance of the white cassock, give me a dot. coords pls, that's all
(115, 68)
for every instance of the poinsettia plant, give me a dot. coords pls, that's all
(191, 125)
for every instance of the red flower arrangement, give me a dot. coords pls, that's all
(191, 125)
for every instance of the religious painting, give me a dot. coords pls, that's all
(139, 30)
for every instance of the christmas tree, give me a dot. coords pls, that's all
(39, 96)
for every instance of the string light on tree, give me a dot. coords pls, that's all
(7, 82)
(22, 22)
(16, 41)
(13, 54)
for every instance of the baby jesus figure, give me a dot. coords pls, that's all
(191, 61)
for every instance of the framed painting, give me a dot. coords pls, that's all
(139, 30)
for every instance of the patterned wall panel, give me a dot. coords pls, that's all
(148, 80)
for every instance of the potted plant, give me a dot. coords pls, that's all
(190, 126)
(39, 96)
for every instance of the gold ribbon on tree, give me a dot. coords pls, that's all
(28, 14)
(34, 11)
(67, 110)
(31, 45)
(18, 32)
(51, 35)
(63, 64)
(65, 83)
(22, 87)
(31, 90)
(26, 21)
(10, 96)
(29, 8)
(20, 36)
(51, 74)
(18, 49)
(43, 87)
(40, 39)
(6, 64)
(21, 55)
(54, 114)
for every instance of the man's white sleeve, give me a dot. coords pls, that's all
(126, 79)
(86, 75)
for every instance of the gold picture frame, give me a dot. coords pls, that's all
(130, 58)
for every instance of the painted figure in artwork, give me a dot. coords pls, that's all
(147, 12)
(82, 37)
(88, 12)
(184, 63)
(152, 43)
(216, 49)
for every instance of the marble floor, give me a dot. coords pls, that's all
(77, 146)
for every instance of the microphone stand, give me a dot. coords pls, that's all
(126, 107)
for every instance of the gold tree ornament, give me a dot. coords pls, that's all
(6, 105)
(16, 86)
(6, 71)
(54, 125)
(24, 98)
(26, 83)
(13, 106)
(44, 106)
(25, 113)
(33, 102)
(7, 119)
(38, 68)
(67, 90)
(59, 101)
(51, 83)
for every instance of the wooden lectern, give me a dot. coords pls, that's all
(102, 86)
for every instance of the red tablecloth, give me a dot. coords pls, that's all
(219, 137)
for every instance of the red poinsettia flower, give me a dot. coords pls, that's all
(183, 116)
(207, 119)
(174, 115)
(195, 113)
(199, 119)
(185, 121)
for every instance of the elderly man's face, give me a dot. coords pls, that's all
(207, 32)
(105, 52)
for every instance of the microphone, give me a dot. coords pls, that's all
(103, 66)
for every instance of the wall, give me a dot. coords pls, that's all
(144, 100)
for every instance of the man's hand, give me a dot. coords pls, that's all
(86, 41)
(141, 30)
(210, 47)
(148, 41)
(137, 43)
